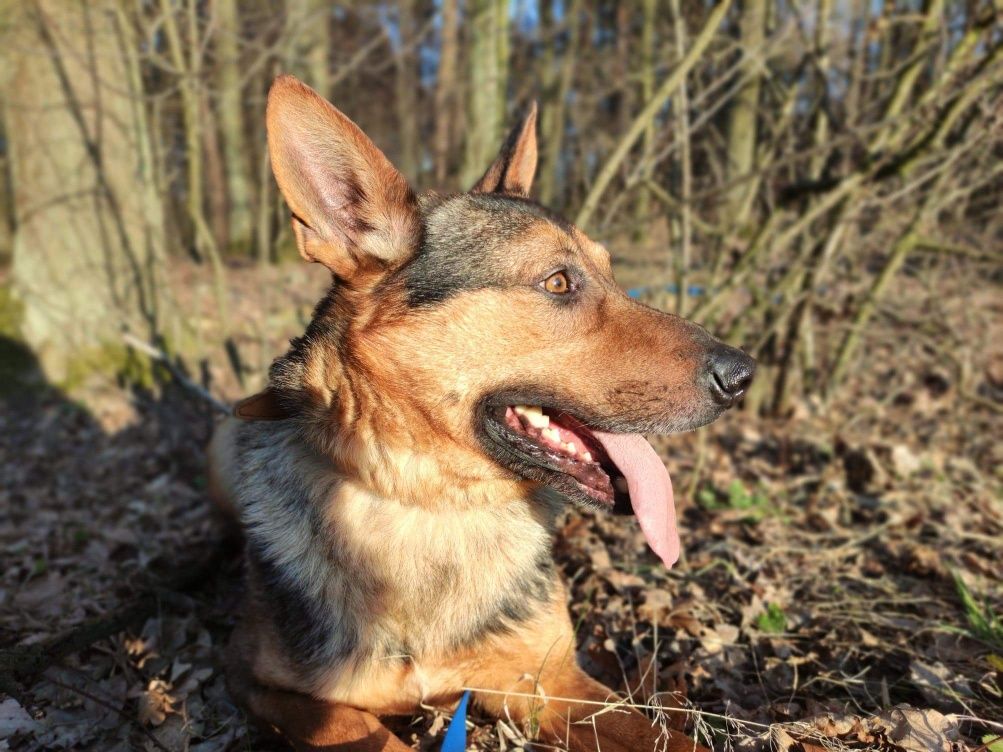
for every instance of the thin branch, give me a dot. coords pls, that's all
(162, 357)
(665, 91)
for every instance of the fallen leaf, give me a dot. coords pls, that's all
(155, 703)
(14, 719)
(916, 730)
(657, 605)
(904, 462)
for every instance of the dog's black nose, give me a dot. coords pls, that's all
(730, 372)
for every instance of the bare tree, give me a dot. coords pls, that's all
(230, 106)
(487, 84)
(445, 89)
(796, 155)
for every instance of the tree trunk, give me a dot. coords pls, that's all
(445, 86)
(406, 84)
(682, 134)
(6, 197)
(309, 42)
(189, 71)
(230, 107)
(621, 66)
(647, 85)
(89, 244)
(215, 174)
(554, 115)
(487, 87)
(744, 111)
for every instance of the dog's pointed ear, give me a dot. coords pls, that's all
(352, 210)
(514, 168)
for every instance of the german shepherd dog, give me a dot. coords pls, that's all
(473, 368)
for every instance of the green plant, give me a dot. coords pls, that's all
(708, 499)
(983, 622)
(737, 498)
(773, 620)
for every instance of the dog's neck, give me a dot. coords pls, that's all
(435, 481)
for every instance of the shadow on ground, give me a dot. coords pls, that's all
(116, 591)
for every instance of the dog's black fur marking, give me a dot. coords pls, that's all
(306, 628)
(456, 255)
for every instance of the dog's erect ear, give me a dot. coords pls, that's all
(513, 170)
(351, 209)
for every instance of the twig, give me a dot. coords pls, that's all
(162, 357)
(982, 401)
(666, 90)
(935, 245)
(976, 719)
(26, 662)
(108, 706)
(610, 706)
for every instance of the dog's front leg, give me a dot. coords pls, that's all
(312, 725)
(531, 676)
(570, 708)
(307, 723)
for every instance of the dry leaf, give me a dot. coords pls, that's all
(904, 462)
(14, 719)
(155, 703)
(657, 605)
(916, 730)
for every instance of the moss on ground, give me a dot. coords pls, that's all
(129, 368)
(20, 372)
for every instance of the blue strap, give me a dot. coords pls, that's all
(693, 291)
(456, 734)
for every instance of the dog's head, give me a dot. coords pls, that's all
(478, 337)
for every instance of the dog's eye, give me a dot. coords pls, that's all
(557, 283)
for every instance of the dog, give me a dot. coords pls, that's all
(473, 369)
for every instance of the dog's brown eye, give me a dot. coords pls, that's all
(557, 283)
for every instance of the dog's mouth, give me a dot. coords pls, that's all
(556, 441)
(594, 469)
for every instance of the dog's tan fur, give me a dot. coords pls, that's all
(391, 562)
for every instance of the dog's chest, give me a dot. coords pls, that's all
(347, 575)
(442, 580)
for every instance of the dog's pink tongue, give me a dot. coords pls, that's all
(650, 490)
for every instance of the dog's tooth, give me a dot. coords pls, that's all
(533, 415)
(552, 435)
(571, 449)
(621, 484)
(537, 419)
(587, 456)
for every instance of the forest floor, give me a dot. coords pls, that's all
(840, 588)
